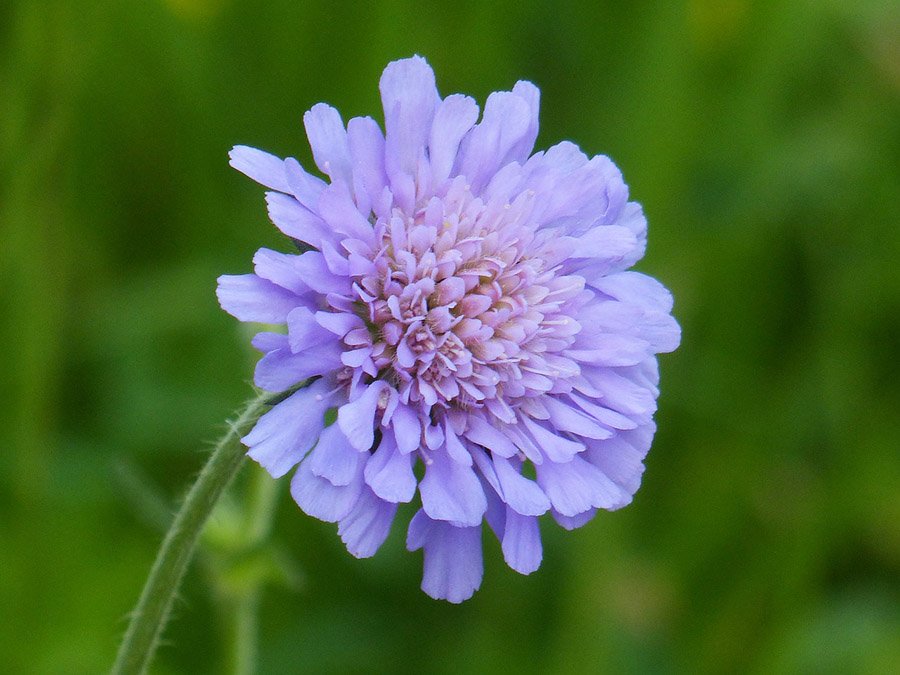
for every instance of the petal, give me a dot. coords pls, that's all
(532, 97)
(328, 140)
(296, 221)
(457, 451)
(262, 167)
(357, 418)
(450, 491)
(304, 330)
(495, 514)
(573, 522)
(576, 191)
(409, 96)
(368, 524)
(603, 415)
(304, 186)
(632, 216)
(566, 418)
(284, 435)
(417, 533)
(312, 269)
(521, 544)
(577, 486)
(521, 494)
(481, 432)
(658, 329)
(249, 298)
(620, 393)
(334, 458)
(389, 472)
(320, 499)
(281, 369)
(453, 565)
(555, 447)
(486, 148)
(605, 244)
(407, 428)
(367, 154)
(608, 349)
(267, 341)
(280, 269)
(338, 323)
(340, 212)
(636, 289)
(621, 458)
(455, 115)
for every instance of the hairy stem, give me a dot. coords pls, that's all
(152, 612)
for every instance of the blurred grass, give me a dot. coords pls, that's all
(763, 140)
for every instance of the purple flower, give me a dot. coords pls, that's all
(461, 302)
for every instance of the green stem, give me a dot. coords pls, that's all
(245, 621)
(152, 612)
(246, 629)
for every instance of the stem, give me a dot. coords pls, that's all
(245, 609)
(152, 612)
(246, 629)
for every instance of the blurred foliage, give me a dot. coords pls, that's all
(763, 140)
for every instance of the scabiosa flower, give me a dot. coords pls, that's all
(461, 304)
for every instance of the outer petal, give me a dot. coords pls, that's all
(304, 186)
(576, 191)
(284, 435)
(622, 458)
(451, 491)
(636, 289)
(521, 494)
(340, 212)
(296, 221)
(566, 418)
(522, 542)
(453, 558)
(304, 330)
(280, 269)
(320, 499)
(621, 393)
(281, 369)
(455, 115)
(455, 448)
(389, 472)
(312, 269)
(487, 147)
(657, 328)
(249, 298)
(608, 349)
(481, 432)
(573, 522)
(555, 447)
(367, 153)
(328, 140)
(262, 167)
(357, 418)
(532, 97)
(338, 323)
(333, 457)
(577, 486)
(368, 524)
(410, 97)
(407, 428)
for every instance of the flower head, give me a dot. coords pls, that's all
(458, 302)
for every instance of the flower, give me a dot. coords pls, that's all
(459, 302)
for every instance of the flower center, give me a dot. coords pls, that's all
(462, 307)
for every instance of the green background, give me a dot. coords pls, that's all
(763, 139)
